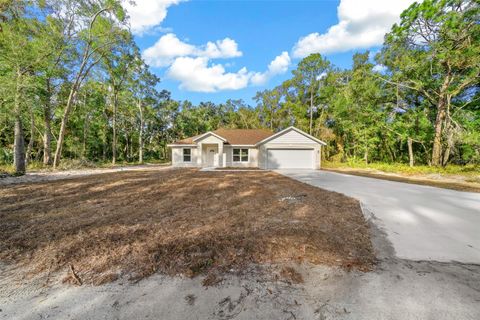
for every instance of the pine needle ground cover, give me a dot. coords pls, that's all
(177, 222)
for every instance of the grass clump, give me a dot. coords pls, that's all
(405, 169)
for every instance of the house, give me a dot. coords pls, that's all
(289, 148)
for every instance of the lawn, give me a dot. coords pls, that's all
(179, 221)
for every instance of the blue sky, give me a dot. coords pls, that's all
(219, 50)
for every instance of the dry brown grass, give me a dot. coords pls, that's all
(178, 222)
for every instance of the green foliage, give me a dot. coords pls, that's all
(75, 62)
(464, 170)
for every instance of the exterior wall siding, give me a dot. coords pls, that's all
(197, 161)
(292, 137)
(177, 157)
(252, 157)
(209, 139)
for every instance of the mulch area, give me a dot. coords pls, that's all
(181, 221)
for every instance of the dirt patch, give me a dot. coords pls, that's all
(291, 275)
(49, 175)
(180, 221)
(460, 183)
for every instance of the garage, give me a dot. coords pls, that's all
(290, 158)
(290, 148)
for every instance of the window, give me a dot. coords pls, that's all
(240, 155)
(187, 155)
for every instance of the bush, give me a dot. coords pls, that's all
(6, 155)
(405, 168)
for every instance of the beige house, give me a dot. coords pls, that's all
(288, 149)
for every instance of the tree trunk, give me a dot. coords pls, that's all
(437, 140)
(410, 151)
(440, 118)
(114, 127)
(130, 150)
(47, 135)
(105, 135)
(126, 154)
(271, 118)
(19, 147)
(19, 142)
(311, 111)
(448, 149)
(63, 128)
(85, 136)
(81, 74)
(32, 135)
(449, 129)
(140, 135)
(450, 142)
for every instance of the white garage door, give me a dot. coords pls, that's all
(290, 159)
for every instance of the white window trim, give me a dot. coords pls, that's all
(183, 155)
(248, 155)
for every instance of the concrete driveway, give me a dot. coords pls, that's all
(422, 222)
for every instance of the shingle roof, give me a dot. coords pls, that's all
(236, 136)
(188, 140)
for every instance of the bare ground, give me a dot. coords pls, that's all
(177, 222)
(396, 289)
(52, 175)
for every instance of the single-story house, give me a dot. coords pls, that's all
(288, 149)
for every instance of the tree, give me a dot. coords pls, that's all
(145, 93)
(119, 64)
(308, 76)
(99, 28)
(23, 48)
(269, 102)
(435, 51)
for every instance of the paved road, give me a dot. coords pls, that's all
(423, 223)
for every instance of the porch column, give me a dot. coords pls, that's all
(221, 163)
(199, 154)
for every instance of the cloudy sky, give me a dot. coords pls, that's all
(215, 50)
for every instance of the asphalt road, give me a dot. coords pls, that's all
(422, 222)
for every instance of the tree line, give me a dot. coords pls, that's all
(417, 100)
(73, 85)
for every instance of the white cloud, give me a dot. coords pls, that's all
(191, 64)
(169, 47)
(226, 48)
(147, 14)
(195, 74)
(279, 65)
(162, 53)
(322, 75)
(379, 68)
(362, 24)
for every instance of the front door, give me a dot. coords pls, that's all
(211, 156)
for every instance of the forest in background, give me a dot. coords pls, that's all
(73, 85)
